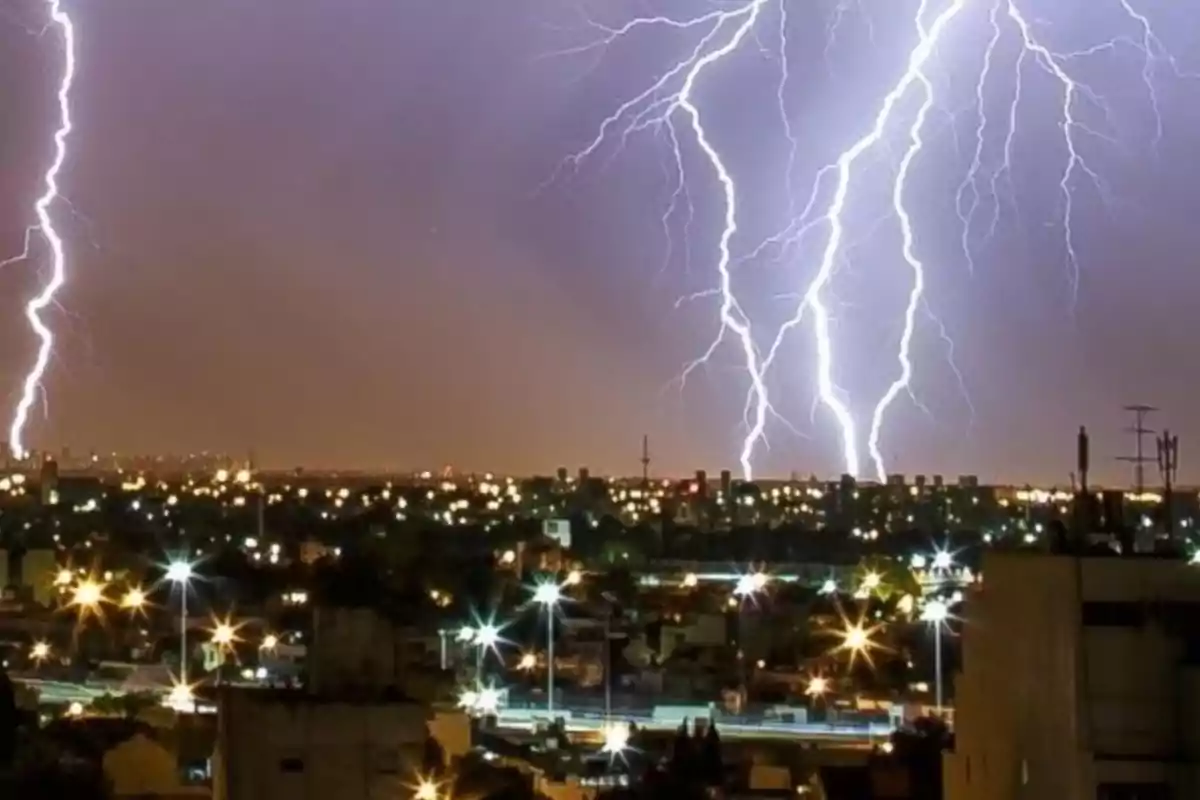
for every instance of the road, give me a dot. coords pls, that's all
(580, 721)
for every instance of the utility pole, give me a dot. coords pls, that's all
(645, 460)
(1168, 469)
(1139, 459)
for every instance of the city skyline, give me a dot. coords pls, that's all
(332, 248)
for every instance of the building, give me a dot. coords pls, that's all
(284, 745)
(353, 733)
(356, 648)
(1080, 681)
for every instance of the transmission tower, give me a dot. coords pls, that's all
(1139, 459)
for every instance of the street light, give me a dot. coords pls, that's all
(936, 612)
(180, 573)
(134, 599)
(549, 595)
(747, 587)
(87, 596)
(483, 700)
(181, 698)
(486, 637)
(40, 652)
(818, 685)
(616, 739)
(856, 639)
(426, 790)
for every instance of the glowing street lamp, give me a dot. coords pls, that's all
(485, 637)
(747, 587)
(181, 698)
(856, 639)
(936, 612)
(88, 595)
(181, 573)
(269, 642)
(426, 790)
(817, 687)
(488, 701)
(549, 595)
(616, 739)
(750, 585)
(482, 700)
(943, 560)
(223, 635)
(134, 599)
(39, 652)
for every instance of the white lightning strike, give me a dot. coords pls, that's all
(812, 301)
(45, 226)
(656, 108)
(721, 33)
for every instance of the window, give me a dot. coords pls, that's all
(291, 764)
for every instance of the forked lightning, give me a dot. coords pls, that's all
(666, 101)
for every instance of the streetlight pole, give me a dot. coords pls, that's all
(548, 595)
(936, 612)
(608, 667)
(550, 661)
(748, 586)
(487, 636)
(937, 665)
(183, 651)
(180, 573)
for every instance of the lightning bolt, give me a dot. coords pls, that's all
(908, 104)
(667, 99)
(812, 301)
(45, 227)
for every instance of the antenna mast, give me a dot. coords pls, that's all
(645, 460)
(1168, 469)
(1139, 459)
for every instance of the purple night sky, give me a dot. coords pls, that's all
(314, 229)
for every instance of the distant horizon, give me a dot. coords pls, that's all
(1152, 483)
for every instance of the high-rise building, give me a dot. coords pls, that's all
(1080, 681)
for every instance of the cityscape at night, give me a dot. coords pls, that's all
(598, 400)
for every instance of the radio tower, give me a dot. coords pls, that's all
(1139, 459)
(645, 460)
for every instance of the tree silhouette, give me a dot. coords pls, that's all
(10, 719)
(711, 767)
(683, 753)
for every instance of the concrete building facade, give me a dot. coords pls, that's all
(292, 746)
(1080, 681)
